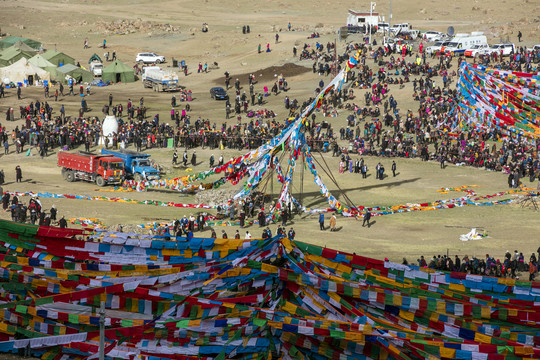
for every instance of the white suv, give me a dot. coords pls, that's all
(437, 46)
(149, 58)
(506, 49)
(433, 35)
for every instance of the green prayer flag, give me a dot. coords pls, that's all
(182, 324)
(127, 322)
(21, 309)
(73, 318)
(259, 322)
(337, 334)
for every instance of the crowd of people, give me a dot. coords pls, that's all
(32, 213)
(377, 127)
(508, 267)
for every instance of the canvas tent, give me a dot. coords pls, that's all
(22, 46)
(118, 72)
(23, 70)
(12, 40)
(43, 63)
(94, 57)
(12, 55)
(80, 75)
(57, 57)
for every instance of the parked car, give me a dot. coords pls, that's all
(433, 35)
(506, 49)
(476, 50)
(149, 58)
(218, 93)
(437, 46)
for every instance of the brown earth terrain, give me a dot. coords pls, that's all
(173, 29)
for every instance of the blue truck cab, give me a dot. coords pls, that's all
(137, 165)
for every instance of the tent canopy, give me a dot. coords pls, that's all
(12, 40)
(57, 57)
(20, 45)
(23, 70)
(94, 57)
(12, 55)
(118, 72)
(80, 75)
(41, 62)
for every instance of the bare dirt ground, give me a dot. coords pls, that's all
(65, 25)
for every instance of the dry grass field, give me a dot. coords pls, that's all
(65, 24)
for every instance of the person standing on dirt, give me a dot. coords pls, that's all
(18, 174)
(333, 222)
(200, 222)
(519, 36)
(367, 218)
(194, 159)
(175, 157)
(53, 213)
(110, 100)
(321, 221)
(104, 43)
(185, 158)
(86, 43)
(18, 93)
(5, 200)
(277, 38)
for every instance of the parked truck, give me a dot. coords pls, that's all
(136, 165)
(159, 80)
(99, 169)
(96, 68)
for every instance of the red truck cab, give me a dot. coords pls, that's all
(101, 169)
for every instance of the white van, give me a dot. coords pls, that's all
(397, 28)
(383, 27)
(462, 42)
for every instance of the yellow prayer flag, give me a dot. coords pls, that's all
(482, 338)
(447, 353)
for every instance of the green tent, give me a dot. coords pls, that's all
(57, 57)
(43, 63)
(12, 55)
(22, 46)
(94, 57)
(80, 75)
(118, 72)
(12, 40)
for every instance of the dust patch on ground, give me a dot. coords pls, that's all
(270, 74)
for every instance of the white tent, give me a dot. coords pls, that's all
(22, 70)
